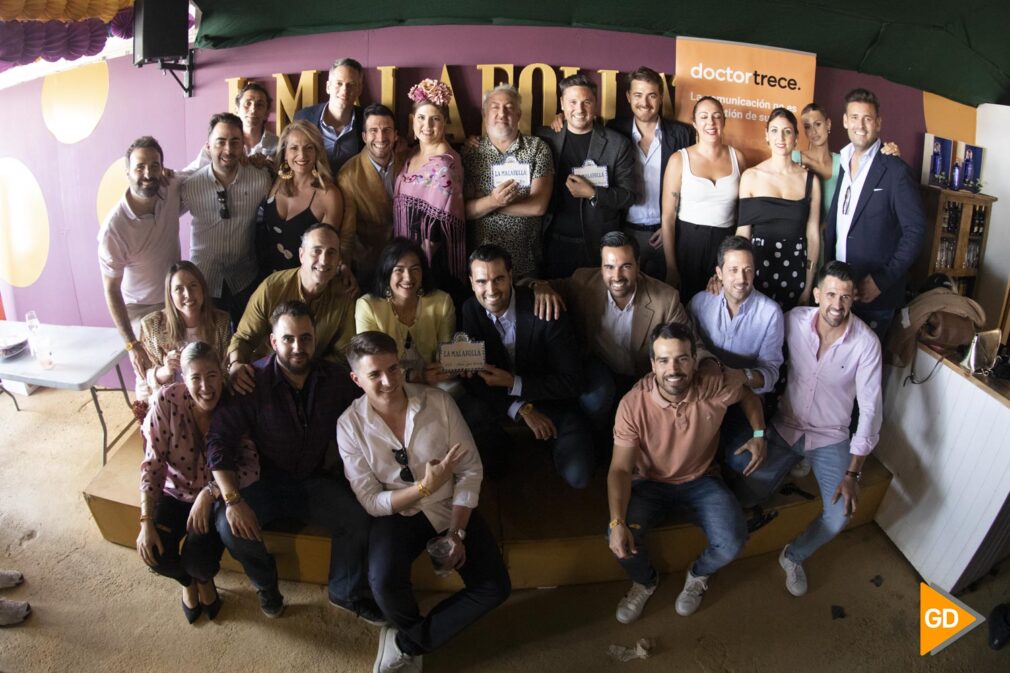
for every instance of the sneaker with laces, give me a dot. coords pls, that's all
(796, 577)
(631, 606)
(364, 609)
(689, 599)
(271, 602)
(390, 658)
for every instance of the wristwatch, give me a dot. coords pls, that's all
(525, 409)
(458, 532)
(749, 374)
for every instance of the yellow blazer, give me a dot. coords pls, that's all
(368, 209)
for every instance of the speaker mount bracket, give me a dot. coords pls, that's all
(187, 66)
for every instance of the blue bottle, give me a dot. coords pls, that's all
(955, 176)
(969, 169)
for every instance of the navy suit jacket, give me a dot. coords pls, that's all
(346, 146)
(547, 354)
(888, 229)
(676, 136)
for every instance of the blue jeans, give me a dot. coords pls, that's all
(601, 391)
(710, 505)
(764, 482)
(829, 464)
(323, 501)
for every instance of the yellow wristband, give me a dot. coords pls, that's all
(146, 517)
(423, 490)
(130, 345)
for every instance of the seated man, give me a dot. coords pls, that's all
(314, 282)
(412, 464)
(744, 329)
(532, 372)
(664, 443)
(834, 360)
(291, 417)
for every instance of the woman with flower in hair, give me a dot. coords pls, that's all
(303, 194)
(428, 198)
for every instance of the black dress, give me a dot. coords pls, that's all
(779, 236)
(277, 239)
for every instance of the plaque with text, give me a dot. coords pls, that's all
(461, 354)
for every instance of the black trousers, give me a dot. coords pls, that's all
(563, 255)
(200, 557)
(234, 303)
(395, 542)
(697, 247)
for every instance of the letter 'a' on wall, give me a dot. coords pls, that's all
(24, 225)
(111, 188)
(73, 102)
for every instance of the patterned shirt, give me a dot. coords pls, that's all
(519, 235)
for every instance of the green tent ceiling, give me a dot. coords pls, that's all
(956, 49)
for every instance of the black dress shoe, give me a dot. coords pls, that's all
(999, 626)
(192, 614)
(213, 608)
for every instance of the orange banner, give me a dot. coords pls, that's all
(749, 80)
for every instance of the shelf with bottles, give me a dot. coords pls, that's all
(956, 234)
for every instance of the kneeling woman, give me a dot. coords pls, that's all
(177, 495)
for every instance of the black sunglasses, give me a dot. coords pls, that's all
(845, 201)
(222, 201)
(401, 458)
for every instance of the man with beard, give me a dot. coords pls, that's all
(834, 360)
(137, 244)
(664, 443)
(252, 105)
(367, 182)
(502, 210)
(339, 119)
(291, 416)
(314, 282)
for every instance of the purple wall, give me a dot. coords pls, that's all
(143, 101)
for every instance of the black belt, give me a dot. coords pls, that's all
(642, 227)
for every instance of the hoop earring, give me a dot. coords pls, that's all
(284, 171)
(388, 293)
(420, 292)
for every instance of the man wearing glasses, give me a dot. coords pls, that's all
(875, 222)
(223, 198)
(290, 416)
(412, 463)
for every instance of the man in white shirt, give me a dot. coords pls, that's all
(412, 464)
(137, 244)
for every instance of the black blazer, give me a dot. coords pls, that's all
(347, 145)
(888, 229)
(547, 354)
(606, 148)
(676, 136)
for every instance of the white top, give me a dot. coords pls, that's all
(613, 341)
(648, 178)
(225, 250)
(140, 250)
(843, 221)
(433, 425)
(707, 203)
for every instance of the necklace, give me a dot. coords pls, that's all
(417, 308)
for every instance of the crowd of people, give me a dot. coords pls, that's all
(646, 302)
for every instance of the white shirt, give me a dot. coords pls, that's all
(843, 221)
(613, 341)
(140, 250)
(433, 425)
(507, 321)
(648, 172)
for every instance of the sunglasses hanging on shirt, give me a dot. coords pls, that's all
(401, 458)
(222, 202)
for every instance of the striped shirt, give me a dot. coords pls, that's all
(225, 249)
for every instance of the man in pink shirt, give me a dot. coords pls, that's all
(834, 360)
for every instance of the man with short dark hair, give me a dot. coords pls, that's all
(223, 198)
(413, 465)
(252, 105)
(654, 139)
(339, 119)
(582, 211)
(664, 443)
(502, 210)
(876, 222)
(137, 243)
(315, 282)
(367, 181)
(834, 361)
(290, 417)
(532, 372)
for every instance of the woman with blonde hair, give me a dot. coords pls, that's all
(303, 194)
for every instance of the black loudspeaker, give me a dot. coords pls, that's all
(160, 30)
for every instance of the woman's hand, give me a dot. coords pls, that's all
(199, 520)
(714, 285)
(148, 541)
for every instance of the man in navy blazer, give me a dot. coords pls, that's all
(532, 373)
(339, 119)
(653, 140)
(876, 222)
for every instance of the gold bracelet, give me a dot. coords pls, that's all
(423, 490)
(146, 517)
(617, 522)
(130, 345)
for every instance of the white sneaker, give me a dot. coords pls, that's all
(631, 606)
(690, 598)
(801, 469)
(390, 658)
(796, 577)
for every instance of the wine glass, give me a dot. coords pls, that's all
(32, 320)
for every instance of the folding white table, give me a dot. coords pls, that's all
(82, 356)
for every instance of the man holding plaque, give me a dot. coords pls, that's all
(594, 175)
(532, 376)
(509, 179)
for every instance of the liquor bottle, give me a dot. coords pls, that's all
(955, 176)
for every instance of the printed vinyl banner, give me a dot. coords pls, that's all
(749, 80)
